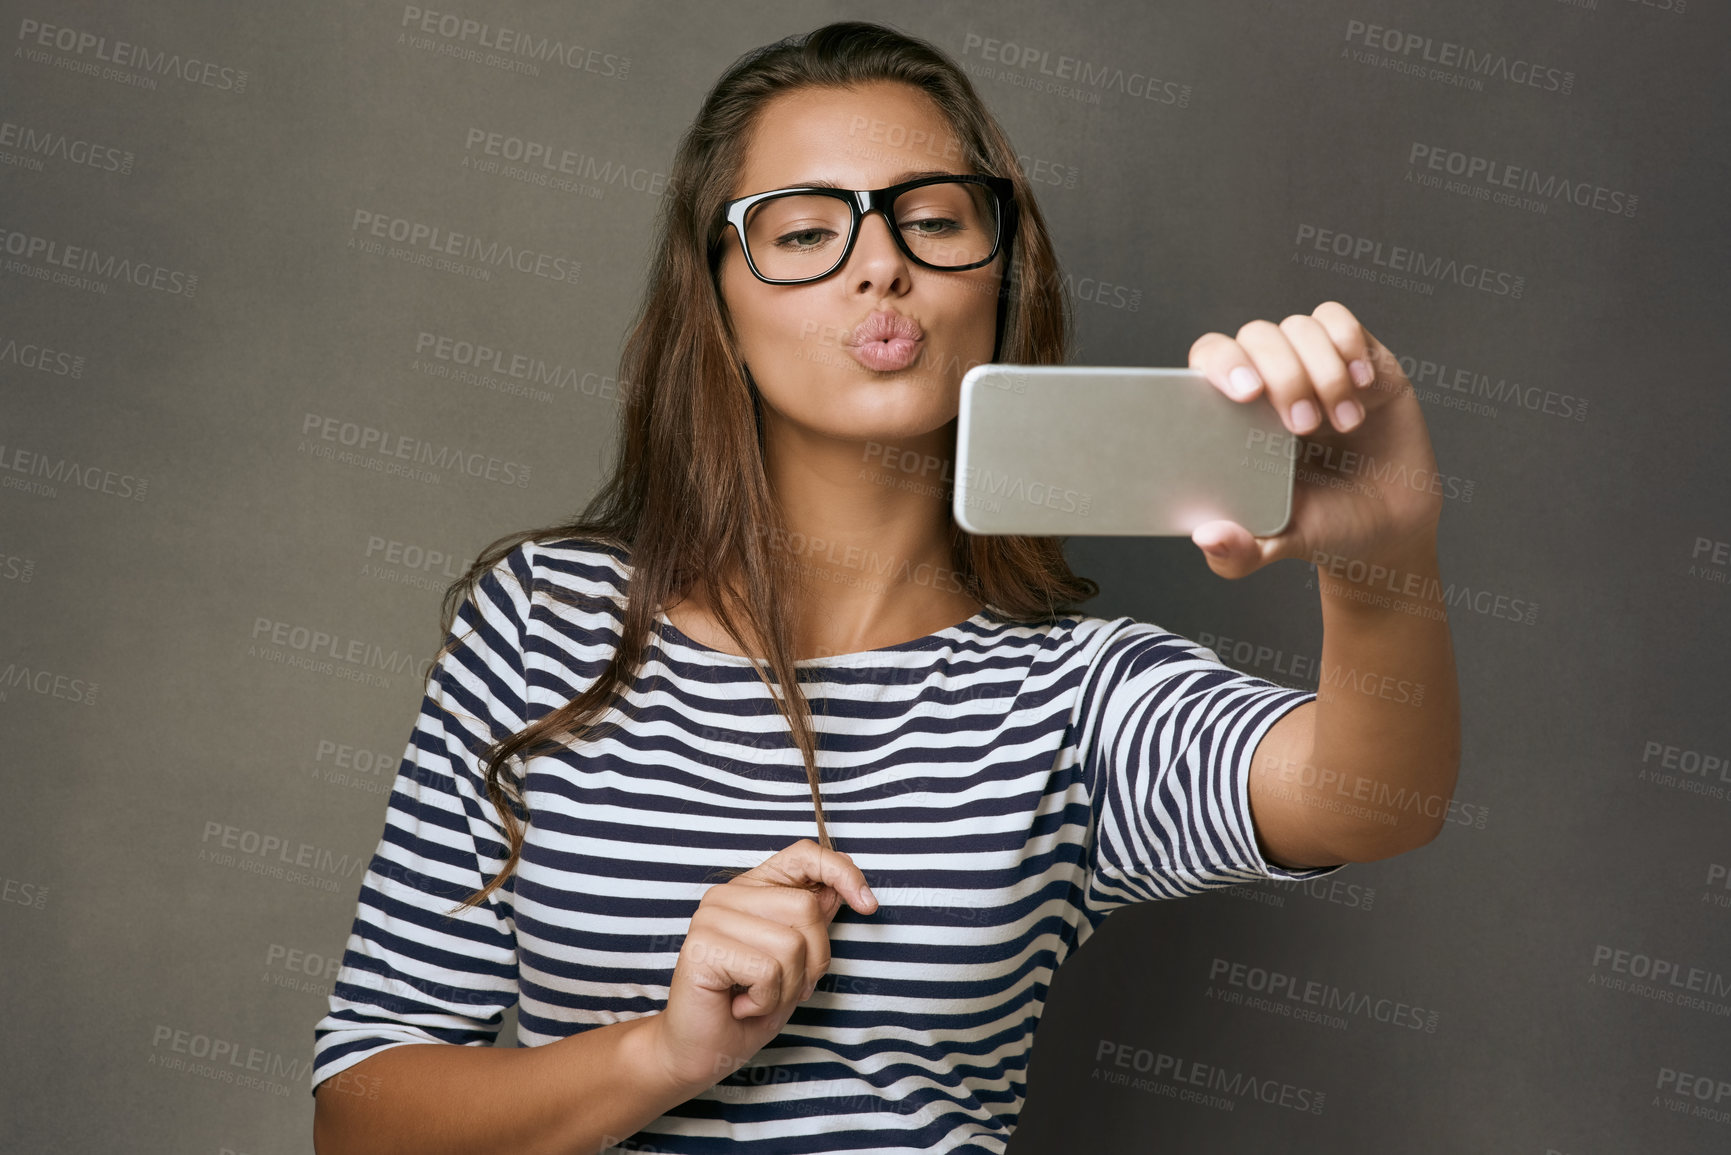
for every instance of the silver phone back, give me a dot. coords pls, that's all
(1072, 450)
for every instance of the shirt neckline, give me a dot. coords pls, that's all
(960, 629)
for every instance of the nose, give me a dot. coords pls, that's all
(876, 256)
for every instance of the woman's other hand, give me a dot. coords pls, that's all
(755, 949)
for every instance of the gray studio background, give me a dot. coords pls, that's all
(193, 306)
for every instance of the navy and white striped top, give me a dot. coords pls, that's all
(1003, 788)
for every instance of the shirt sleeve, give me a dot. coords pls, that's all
(413, 971)
(1168, 733)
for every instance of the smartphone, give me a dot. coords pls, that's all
(1090, 450)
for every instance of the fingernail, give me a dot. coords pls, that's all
(1215, 548)
(806, 994)
(1304, 416)
(1361, 371)
(871, 899)
(1244, 382)
(1347, 414)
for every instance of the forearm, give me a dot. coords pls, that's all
(576, 1096)
(1386, 743)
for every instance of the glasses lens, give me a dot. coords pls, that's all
(948, 224)
(798, 235)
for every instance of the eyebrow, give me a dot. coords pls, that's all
(897, 179)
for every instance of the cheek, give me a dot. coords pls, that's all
(784, 327)
(754, 319)
(974, 310)
(981, 293)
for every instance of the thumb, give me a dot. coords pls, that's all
(808, 866)
(1233, 551)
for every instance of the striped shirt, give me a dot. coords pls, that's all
(1003, 787)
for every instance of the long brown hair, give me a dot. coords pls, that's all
(689, 497)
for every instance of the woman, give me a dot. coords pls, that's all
(628, 713)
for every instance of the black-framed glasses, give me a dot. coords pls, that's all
(794, 235)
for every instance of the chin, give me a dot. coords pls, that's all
(893, 397)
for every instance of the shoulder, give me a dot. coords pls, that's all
(583, 565)
(553, 565)
(1127, 654)
(1090, 639)
(1149, 639)
(1092, 649)
(573, 587)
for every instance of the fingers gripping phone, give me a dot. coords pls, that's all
(1073, 450)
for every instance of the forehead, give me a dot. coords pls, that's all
(864, 137)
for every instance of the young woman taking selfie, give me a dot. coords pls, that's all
(771, 799)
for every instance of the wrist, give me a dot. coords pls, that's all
(644, 1049)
